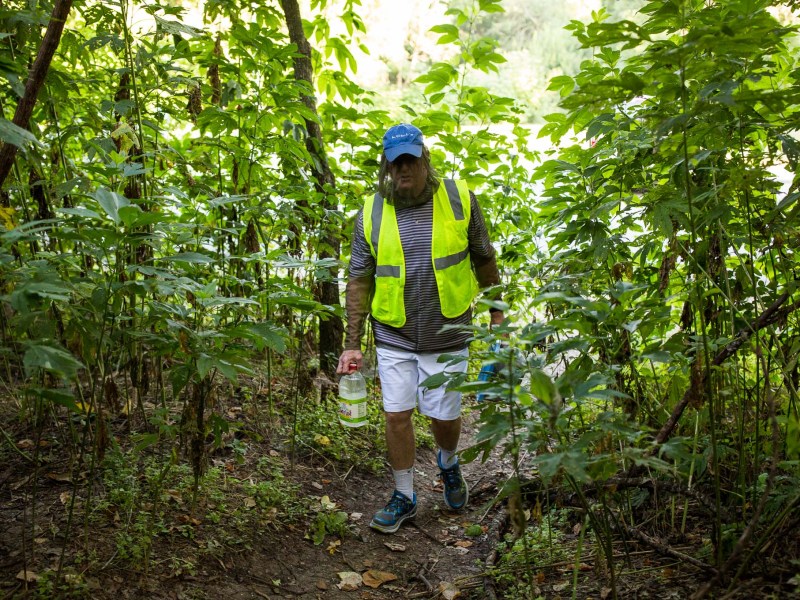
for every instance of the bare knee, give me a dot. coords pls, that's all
(398, 420)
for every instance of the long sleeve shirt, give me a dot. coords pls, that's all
(423, 330)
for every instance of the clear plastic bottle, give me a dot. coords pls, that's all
(353, 399)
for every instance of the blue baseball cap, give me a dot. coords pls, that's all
(402, 139)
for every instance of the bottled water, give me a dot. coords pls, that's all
(353, 400)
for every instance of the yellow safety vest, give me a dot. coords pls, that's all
(455, 279)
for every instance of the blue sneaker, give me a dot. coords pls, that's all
(456, 491)
(400, 508)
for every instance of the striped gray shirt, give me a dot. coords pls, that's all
(422, 331)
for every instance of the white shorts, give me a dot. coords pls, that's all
(401, 374)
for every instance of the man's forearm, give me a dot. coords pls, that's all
(486, 271)
(357, 298)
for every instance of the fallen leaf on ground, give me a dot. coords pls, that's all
(322, 585)
(375, 579)
(316, 486)
(327, 504)
(463, 543)
(560, 587)
(189, 520)
(28, 576)
(64, 497)
(449, 591)
(322, 440)
(249, 502)
(60, 477)
(605, 593)
(350, 581)
(395, 547)
(175, 495)
(40, 540)
(333, 546)
(356, 516)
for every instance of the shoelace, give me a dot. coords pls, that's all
(397, 504)
(451, 476)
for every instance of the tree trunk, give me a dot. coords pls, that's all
(38, 72)
(331, 329)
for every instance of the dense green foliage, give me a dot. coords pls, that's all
(164, 239)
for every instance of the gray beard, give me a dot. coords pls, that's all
(407, 200)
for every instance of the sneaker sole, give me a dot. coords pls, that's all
(392, 528)
(466, 497)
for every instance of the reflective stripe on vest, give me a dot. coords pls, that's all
(455, 280)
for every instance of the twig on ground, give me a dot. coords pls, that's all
(667, 551)
(426, 533)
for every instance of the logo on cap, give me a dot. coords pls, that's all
(402, 139)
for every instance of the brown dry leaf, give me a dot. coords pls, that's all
(350, 581)
(249, 502)
(28, 576)
(449, 591)
(175, 495)
(375, 579)
(40, 540)
(322, 585)
(464, 544)
(60, 477)
(188, 520)
(605, 593)
(25, 444)
(64, 497)
(540, 577)
(395, 547)
(560, 587)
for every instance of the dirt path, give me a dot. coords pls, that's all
(431, 554)
(195, 555)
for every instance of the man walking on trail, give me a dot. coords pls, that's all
(420, 251)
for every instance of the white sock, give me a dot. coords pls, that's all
(404, 482)
(447, 458)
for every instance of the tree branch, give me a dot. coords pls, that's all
(36, 76)
(771, 315)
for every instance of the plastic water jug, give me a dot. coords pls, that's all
(353, 400)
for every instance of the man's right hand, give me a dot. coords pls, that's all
(349, 357)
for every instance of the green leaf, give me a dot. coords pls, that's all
(543, 387)
(110, 202)
(190, 257)
(435, 381)
(16, 136)
(177, 27)
(52, 359)
(449, 33)
(204, 365)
